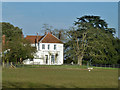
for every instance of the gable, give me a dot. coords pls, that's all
(49, 38)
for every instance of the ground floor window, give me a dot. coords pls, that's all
(53, 59)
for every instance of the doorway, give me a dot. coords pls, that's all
(53, 59)
(46, 59)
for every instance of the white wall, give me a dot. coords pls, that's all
(42, 52)
(39, 56)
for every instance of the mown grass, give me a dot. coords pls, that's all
(59, 77)
(63, 66)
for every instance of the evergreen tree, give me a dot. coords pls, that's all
(92, 40)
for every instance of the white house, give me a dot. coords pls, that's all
(49, 50)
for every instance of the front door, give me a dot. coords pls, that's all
(46, 59)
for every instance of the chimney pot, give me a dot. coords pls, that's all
(60, 35)
(45, 33)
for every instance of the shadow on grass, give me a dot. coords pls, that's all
(28, 85)
(16, 85)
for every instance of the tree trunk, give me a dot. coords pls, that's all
(7, 63)
(16, 61)
(80, 57)
(20, 60)
(3, 63)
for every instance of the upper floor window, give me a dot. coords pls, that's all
(48, 47)
(43, 46)
(54, 47)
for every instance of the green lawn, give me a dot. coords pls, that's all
(59, 77)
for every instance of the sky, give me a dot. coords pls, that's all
(30, 16)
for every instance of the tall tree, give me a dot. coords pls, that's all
(61, 34)
(47, 28)
(88, 41)
(20, 49)
(10, 31)
(16, 48)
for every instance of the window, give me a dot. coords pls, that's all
(31, 59)
(54, 47)
(48, 47)
(43, 46)
(52, 59)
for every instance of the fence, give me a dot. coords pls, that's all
(98, 65)
(106, 65)
(65, 65)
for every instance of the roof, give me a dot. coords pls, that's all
(32, 39)
(48, 38)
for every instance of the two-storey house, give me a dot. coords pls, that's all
(49, 50)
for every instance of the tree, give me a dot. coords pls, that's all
(19, 48)
(0, 38)
(10, 31)
(59, 33)
(85, 22)
(77, 44)
(47, 28)
(88, 41)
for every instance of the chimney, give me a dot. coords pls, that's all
(59, 35)
(45, 33)
(37, 38)
(3, 40)
(51, 32)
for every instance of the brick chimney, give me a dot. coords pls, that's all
(3, 39)
(37, 38)
(51, 32)
(45, 33)
(59, 35)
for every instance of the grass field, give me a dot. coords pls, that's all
(59, 77)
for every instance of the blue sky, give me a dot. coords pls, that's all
(30, 16)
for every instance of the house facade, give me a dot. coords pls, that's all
(49, 50)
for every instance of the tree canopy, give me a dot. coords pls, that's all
(16, 48)
(92, 40)
(10, 31)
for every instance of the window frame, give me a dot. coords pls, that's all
(55, 46)
(48, 46)
(52, 59)
(43, 46)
